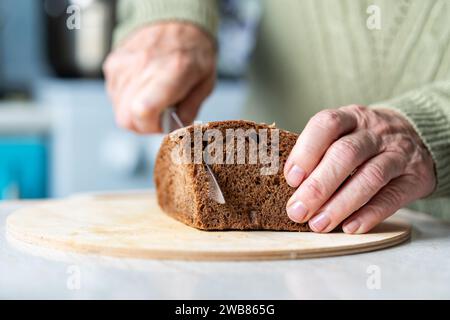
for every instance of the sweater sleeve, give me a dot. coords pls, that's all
(428, 110)
(132, 14)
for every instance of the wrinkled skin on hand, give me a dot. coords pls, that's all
(160, 65)
(357, 166)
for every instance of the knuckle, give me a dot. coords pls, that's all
(406, 145)
(328, 119)
(314, 188)
(393, 196)
(345, 148)
(382, 129)
(358, 108)
(181, 62)
(374, 177)
(361, 114)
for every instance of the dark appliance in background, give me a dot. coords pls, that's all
(2, 81)
(9, 90)
(79, 34)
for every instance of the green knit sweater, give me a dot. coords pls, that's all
(317, 54)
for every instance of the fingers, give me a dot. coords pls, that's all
(339, 161)
(398, 193)
(320, 132)
(156, 67)
(333, 144)
(140, 90)
(166, 87)
(119, 67)
(357, 191)
(158, 87)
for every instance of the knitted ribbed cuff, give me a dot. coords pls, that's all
(133, 14)
(425, 110)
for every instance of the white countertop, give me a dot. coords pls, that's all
(416, 269)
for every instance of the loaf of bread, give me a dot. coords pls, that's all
(255, 192)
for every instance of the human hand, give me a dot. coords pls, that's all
(356, 165)
(161, 65)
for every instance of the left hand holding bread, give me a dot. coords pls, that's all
(357, 166)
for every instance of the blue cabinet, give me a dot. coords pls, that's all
(23, 167)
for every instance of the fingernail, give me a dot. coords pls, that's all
(295, 176)
(297, 211)
(320, 222)
(351, 227)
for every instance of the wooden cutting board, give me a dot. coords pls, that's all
(132, 225)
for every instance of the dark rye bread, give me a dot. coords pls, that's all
(253, 201)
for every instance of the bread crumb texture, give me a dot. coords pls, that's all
(254, 201)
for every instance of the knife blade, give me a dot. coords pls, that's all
(170, 122)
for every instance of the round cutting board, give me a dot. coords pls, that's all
(132, 225)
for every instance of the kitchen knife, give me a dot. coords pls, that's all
(169, 122)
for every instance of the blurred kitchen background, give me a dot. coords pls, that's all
(57, 130)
